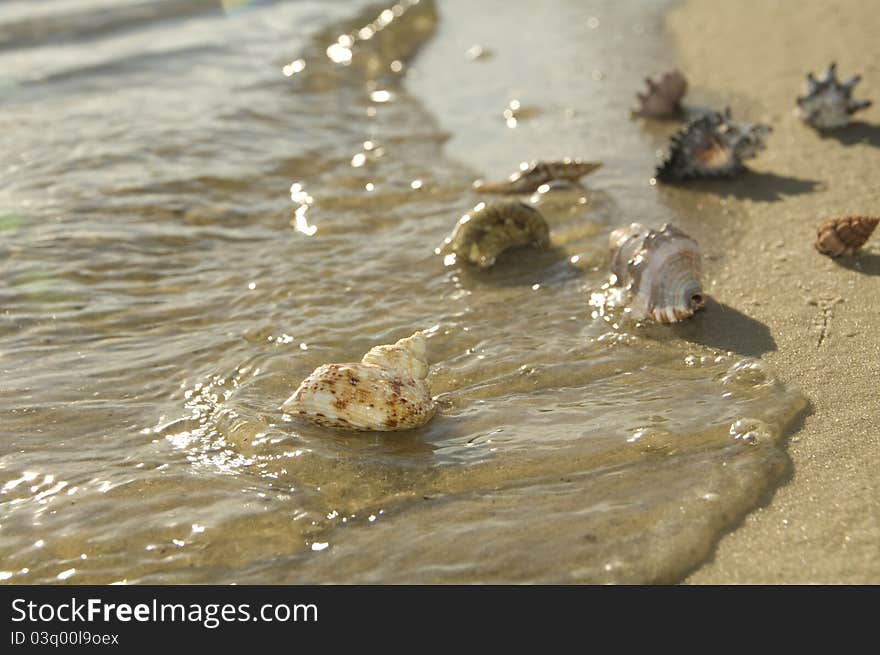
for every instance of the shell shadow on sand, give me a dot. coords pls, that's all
(857, 132)
(866, 263)
(751, 185)
(721, 326)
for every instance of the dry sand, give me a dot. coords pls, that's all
(823, 526)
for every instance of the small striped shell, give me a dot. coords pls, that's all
(828, 103)
(713, 145)
(661, 269)
(481, 235)
(530, 176)
(663, 95)
(844, 235)
(386, 390)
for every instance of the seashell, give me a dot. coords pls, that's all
(490, 229)
(713, 145)
(531, 176)
(663, 96)
(827, 103)
(386, 390)
(661, 269)
(844, 235)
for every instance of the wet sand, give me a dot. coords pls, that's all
(823, 526)
(217, 252)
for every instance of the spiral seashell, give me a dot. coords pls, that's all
(661, 269)
(711, 146)
(663, 96)
(490, 229)
(828, 103)
(531, 176)
(386, 390)
(844, 235)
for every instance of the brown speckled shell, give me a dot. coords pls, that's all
(386, 390)
(844, 235)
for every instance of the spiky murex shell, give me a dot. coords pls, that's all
(386, 390)
(827, 103)
(661, 269)
(713, 145)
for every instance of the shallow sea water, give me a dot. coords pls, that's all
(204, 201)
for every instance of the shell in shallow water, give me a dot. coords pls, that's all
(663, 95)
(713, 145)
(827, 102)
(386, 390)
(490, 229)
(531, 176)
(661, 269)
(844, 235)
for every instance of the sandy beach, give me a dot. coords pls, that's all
(231, 197)
(823, 525)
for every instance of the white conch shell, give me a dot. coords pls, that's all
(661, 268)
(386, 390)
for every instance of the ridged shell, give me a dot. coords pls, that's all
(844, 235)
(531, 176)
(386, 390)
(661, 269)
(713, 145)
(663, 95)
(490, 229)
(828, 103)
